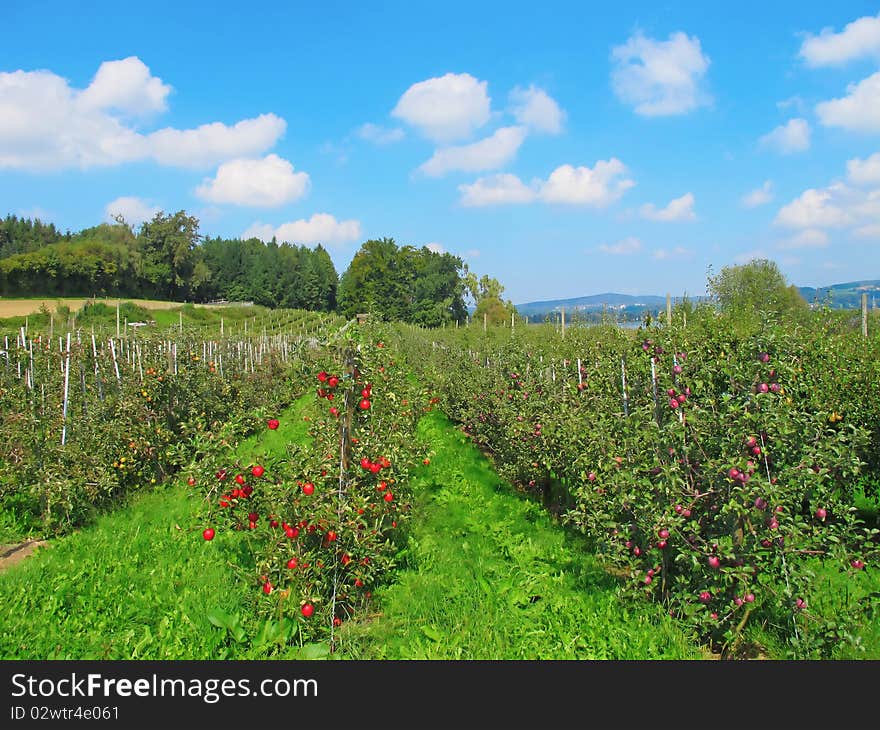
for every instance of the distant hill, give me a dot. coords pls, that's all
(843, 296)
(624, 306)
(620, 305)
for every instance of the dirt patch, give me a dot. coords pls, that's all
(13, 554)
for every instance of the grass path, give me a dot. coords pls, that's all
(489, 576)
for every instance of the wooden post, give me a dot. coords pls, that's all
(115, 364)
(180, 320)
(117, 319)
(484, 321)
(66, 381)
(668, 310)
(864, 315)
(221, 326)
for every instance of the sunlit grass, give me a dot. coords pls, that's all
(490, 576)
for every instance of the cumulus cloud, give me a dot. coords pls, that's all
(446, 108)
(679, 252)
(809, 238)
(679, 209)
(748, 256)
(872, 230)
(537, 110)
(837, 206)
(660, 78)
(822, 208)
(864, 172)
(321, 228)
(858, 111)
(501, 189)
(793, 136)
(267, 183)
(598, 186)
(435, 247)
(487, 154)
(132, 209)
(759, 196)
(45, 124)
(624, 247)
(859, 39)
(379, 135)
(126, 86)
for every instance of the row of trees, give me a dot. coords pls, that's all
(167, 258)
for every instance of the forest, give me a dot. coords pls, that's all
(169, 258)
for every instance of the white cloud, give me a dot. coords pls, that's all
(747, 256)
(792, 101)
(487, 154)
(446, 108)
(662, 254)
(496, 190)
(597, 187)
(321, 228)
(45, 124)
(816, 209)
(263, 231)
(624, 247)
(534, 108)
(864, 172)
(809, 238)
(660, 78)
(126, 86)
(870, 231)
(859, 39)
(133, 210)
(379, 135)
(36, 213)
(212, 143)
(859, 111)
(680, 209)
(793, 136)
(435, 247)
(267, 183)
(472, 253)
(759, 196)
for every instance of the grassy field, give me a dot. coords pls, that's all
(25, 307)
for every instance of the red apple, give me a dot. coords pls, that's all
(208, 534)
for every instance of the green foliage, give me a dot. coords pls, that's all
(405, 284)
(756, 291)
(768, 405)
(486, 293)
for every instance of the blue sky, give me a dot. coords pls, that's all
(564, 148)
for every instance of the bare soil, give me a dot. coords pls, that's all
(13, 554)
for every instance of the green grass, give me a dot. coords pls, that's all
(490, 576)
(140, 583)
